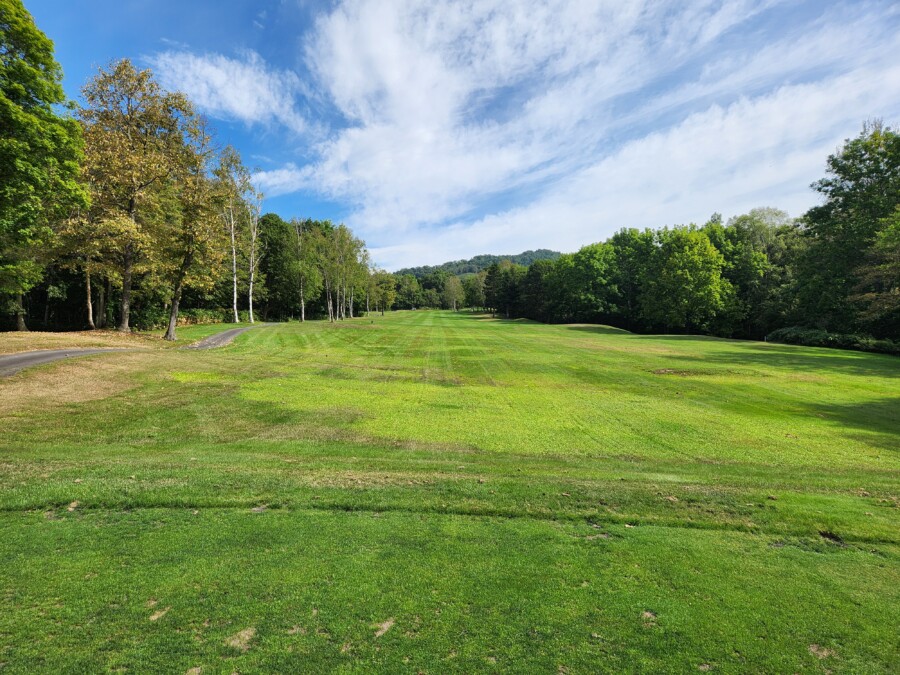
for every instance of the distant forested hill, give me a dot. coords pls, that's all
(480, 262)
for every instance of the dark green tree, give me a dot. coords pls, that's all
(632, 250)
(685, 289)
(40, 152)
(861, 191)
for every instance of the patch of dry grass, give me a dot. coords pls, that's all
(87, 378)
(15, 342)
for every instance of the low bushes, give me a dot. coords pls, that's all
(813, 337)
(157, 318)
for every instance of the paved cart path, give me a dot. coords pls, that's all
(10, 364)
(221, 339)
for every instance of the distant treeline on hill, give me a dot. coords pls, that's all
(480, 263)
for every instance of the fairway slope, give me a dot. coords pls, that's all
(442, 492)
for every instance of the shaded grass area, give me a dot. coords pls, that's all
(514, 497)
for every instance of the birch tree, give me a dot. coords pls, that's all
(307, 242)
(253, 201)
(235, 184)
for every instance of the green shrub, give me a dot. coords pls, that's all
(813, 337)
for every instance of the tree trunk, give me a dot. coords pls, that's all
(252, 278)
(87, 295)
(234, 272)
(20, 314)
(100, 316)
(302, 303)
(127, 266)
(176, 296)
(250, 299)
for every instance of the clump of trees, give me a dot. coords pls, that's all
(124, 211)
(835, 270)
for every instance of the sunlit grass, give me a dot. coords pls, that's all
(515, 497)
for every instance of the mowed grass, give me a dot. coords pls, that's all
(439, 492)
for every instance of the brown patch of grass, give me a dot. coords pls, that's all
(14, 342)
(241, 641)
(157, 615)
(820, 651)
(88, 378)
(688, 373)
(349, 479)
(384, 627)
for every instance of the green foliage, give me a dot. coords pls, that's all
(685, 288)
(814, 337)
(861, 191)
(877, 293)
(409, 293)
(473, 287)
(454, 295)
(480, 263)
(501, 288)
(40, 151)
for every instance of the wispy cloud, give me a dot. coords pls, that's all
(449, 129)
(242, 89)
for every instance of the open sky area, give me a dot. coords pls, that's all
(439, 131)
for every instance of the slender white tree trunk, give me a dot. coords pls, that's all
(234, 285)
(90, 304)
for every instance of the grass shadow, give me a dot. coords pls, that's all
(877, 418)
(801, 359)
(597, 329)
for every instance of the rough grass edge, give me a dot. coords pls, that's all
(813, 337)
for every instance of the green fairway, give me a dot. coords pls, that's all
(440, 492)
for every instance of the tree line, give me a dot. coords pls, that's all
(479, 263)
(123, 211)
(836, 268)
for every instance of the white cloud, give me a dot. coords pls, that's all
(242, 89)
(756, 152)
(458, 128)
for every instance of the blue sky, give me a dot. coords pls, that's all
(439, 131)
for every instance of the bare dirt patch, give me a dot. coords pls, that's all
(241, 641)
(687, 373)
(384, 627)
(75, 381)
(15, 342)
(821, 652)
(157, 615)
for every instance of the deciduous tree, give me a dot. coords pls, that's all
(134, 139)
(39, 154)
